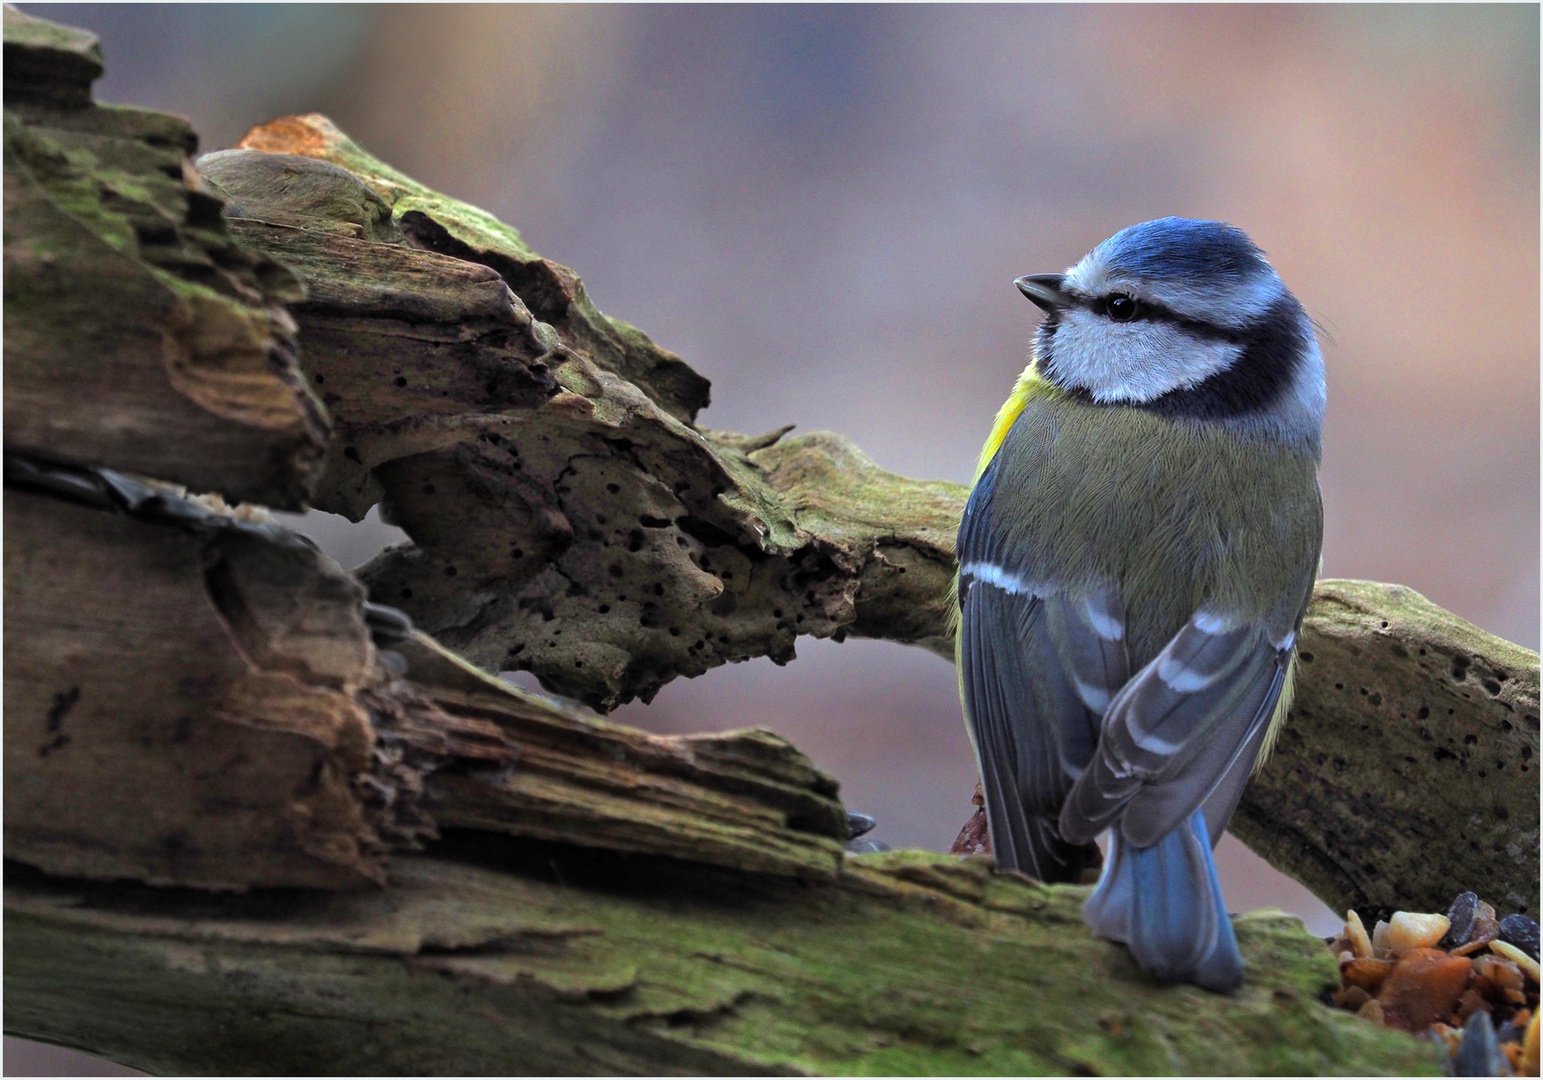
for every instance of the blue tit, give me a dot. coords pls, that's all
(1135, 559)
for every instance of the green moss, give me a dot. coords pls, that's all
(600, 965)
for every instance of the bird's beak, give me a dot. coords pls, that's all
(1044, 289)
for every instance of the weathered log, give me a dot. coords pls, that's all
(502, 958)
(182, 707)
(1409, 764)
(649, 550)
(277, 745)
(119, 272)
(544, 488)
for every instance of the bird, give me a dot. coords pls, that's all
(1136, 556)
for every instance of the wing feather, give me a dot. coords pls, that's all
(1179, 732)
(1035, 670)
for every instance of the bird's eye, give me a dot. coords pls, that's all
(1120, 308)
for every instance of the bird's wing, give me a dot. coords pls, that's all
(1037, 666)
(1185, 729)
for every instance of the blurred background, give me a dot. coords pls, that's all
(822, 209)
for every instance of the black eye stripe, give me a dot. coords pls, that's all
(1151, 311)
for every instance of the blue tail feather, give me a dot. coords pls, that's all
(1165, 902)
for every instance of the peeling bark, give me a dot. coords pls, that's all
(189, 718)
(278, 745)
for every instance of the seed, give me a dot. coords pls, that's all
(1409, 930)
(1461, 914)
(1479, 1053)
(1522, 932)
(1471, 1002)
(1364, 971)
(1517, 957)
(1355, 930)
(1500, 971)
(1423, 986)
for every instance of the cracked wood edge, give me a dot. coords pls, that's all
(120, 272)
(275, 745)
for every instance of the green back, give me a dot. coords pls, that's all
(1178, 514)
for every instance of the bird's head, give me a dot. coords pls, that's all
(1186, 318)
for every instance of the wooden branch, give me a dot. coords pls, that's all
(499, 959)
(1409, 764)
(648, 549)
(544, 489)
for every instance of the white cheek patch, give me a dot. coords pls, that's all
(1136, 362)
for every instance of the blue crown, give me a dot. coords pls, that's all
(1183, 250)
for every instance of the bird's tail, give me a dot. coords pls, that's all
(1165, 903)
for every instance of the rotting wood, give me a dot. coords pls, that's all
(544, 489)
(120, 273)
(181, 702)
(1374, 799)
(277, 745)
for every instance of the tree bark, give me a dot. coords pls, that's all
(259, 823)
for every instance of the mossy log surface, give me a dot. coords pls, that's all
(501, 959)
(258, 824)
